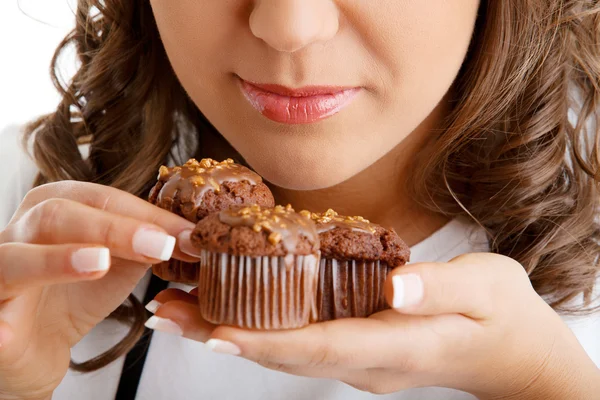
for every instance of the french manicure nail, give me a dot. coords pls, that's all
(223, 347)
(153, 306)
(153, 244)
(163, 325)
(408, 290)
(94, 259)
(185, 244)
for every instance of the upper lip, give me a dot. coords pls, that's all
(306, 91)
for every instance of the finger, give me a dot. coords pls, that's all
(353, 343)
(24, 266)
(472, 285)
(168, 295)
(194, 292)
(314, 372)
(59, 221)
(183, 319)
(16, 329)
(370, 380)
(111, 200)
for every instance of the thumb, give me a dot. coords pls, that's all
(471, 285)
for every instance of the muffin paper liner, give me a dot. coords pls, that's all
(350, 288)
(178, 271)
(258, 292)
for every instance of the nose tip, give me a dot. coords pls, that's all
(291, 25)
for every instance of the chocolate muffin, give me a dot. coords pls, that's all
(259, 267)
(197, 189)
(356, 256)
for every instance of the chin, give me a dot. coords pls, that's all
(288, 174)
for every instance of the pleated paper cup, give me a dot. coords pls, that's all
(350, 289)
(258, 292)
(178, 271)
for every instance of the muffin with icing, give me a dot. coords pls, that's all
(259, 267)
(356, 256)
(198, 188)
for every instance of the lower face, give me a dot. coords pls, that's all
(312, 92)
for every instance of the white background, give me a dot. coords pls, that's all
(28, 38)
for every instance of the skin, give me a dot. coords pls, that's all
(46, 304)
(405, 55)
(474, 323)
(405, 74)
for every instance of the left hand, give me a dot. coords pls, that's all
(473, 324)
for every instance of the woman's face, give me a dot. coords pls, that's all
(311, 92)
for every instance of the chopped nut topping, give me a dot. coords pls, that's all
(332, 217)
(264, 218)
(306, 214)
(198, 181)
(163, 172)
(274, 238)
(281, 224)
(207, 163)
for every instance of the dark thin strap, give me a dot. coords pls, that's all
(134, 362)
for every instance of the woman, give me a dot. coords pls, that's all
(449, 122)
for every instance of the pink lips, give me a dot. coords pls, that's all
(297, 106)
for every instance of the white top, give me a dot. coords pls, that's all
(182, 369)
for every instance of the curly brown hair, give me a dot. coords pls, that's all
(509, 157)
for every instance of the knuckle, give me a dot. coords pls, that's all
(276, 366)
(506, 276)
(45, 215)
(109, 233)
(377, 389)
(321, 358)
(515, 269)
(36, 194)
(265, 356)
(369, 383)
(67, 189)
(49, 207)
(325, 355)
(409, 364)
(43, 192)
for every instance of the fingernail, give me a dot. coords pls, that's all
(223, 347)
(185, 244)
(153, 306)
(408, 290)
(163, 325)
(93, 259)
(153, 244)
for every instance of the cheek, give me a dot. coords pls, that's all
(421, 47)
(196, 35)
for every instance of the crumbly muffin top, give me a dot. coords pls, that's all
(196, 189)
(257, 231)
(355, 238)
(207, 174)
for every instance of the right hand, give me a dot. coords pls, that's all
(72, 253)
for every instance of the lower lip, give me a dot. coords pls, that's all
(297, 109)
